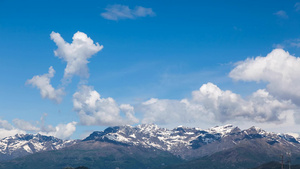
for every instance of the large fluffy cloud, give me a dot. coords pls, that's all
(226, 105)
(75, 54)
(94, 110)
(5, 133)
(46, 89)
(116, 12)
(279, 69)
(172, 111)
(63, 131)
(212, 104)
(6, 129)
(5, 125)
(25, 125)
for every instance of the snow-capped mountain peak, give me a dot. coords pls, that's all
(223, 130)
(24, 144)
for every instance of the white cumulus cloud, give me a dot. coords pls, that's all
(75, 54)
(165, 111)
(25, 125)
(94, 110)
(6, 129)
(116, 12)
(5, 125)
(226, 105)
(211, 104)
(46, 89)
(279, 69)
(5, 133)
(62, 131)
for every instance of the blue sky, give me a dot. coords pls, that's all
(161, 52)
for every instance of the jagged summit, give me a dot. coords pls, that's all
(223, 130)
(38, 137)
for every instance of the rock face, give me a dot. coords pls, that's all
(190, 143)
(25, 144)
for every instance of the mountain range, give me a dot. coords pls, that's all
(149, 146)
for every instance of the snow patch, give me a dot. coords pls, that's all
(27, 148)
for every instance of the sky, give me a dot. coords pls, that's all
(68, 68)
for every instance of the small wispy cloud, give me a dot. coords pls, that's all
(291, 43)
(295, 43)
(297, 6)
(117, 12)
(278, 46)
(281, 14)
(237, 29)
